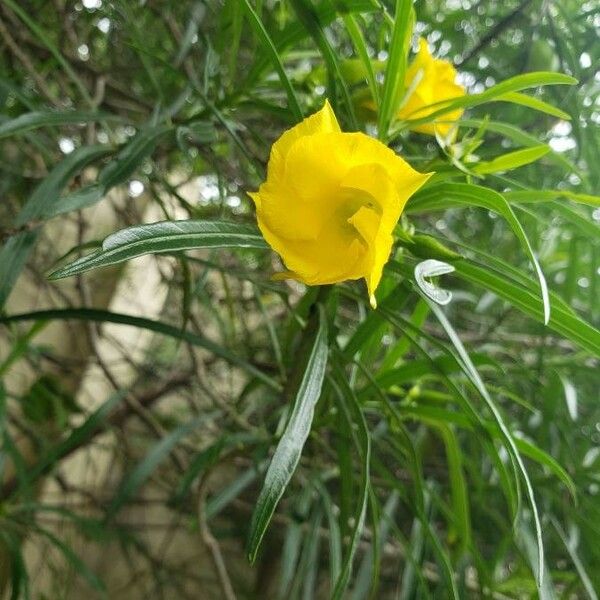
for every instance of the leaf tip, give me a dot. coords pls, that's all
(54, 275)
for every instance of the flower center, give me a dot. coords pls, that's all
(355, 208)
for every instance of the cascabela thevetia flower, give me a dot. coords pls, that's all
(428, 81)
(331, 201)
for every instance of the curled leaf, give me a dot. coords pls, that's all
(433, 268)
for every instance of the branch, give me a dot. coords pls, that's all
(494, 32)
(117, 418)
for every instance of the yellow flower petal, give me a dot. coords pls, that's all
(389, 198)
(331, 201)
(323, 121)
(430, 80)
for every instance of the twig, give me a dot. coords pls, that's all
(117, 418)
(212, 544)
(494, 32)
(12, 231)
(20, 54)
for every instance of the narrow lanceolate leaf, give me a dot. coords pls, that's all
(448, 195)
(15, 252)
(588, 227)
(271, 51)
(519, 136)
(355, 418)
(509, 441)
(530, 102)
(526, 542)
(288, 451)
(122, 166)
(105, 316)
(529, 449)
(294, 32)
(77, 438)
(496, 93)
(309, 17)
(562, 320)
(461, 511)
(130, 156)
(512, 160)
(73, 559)
(37, 119)
(165, 236)
(358, 41)
(144, 469)
(571, 546)
(393, 83)
(435, 416)
(527, 196)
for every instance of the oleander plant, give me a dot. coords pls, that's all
(299, 299)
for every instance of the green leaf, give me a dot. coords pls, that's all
(580, 219)
(530, 450)
(355, 419)
(78, 200)
(441, 554)
(149, 463)
(289, 558)
(224, 497)
(202, 461)
(19, 347)
(521, 137)
(511, 160)
(508, 439)
(528, 196)
(417, 368)
(77, 564)
(295, 32)
(447, 195)
(164, 236)
(308, 16)
(571, 546)
(402, 346)
(288, 451)
(393, 83)
(474, 416)
(16, 250)
(104, 316)
(373, 323)
(368, 576)
(12, 546)
(527, 542)
(36, 119)
(273, 54)
(435, 415)
(306, 575)
(131, 155)
(412, 568)
(563, 321)
(508, 130)
(74, 440)
(335, 537)
(539, 105)
(514, 84)
(358, 41)
(41, 34)
(122, 166)
(196, 16)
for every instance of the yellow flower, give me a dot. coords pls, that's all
(430, 80)
(331, 201)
